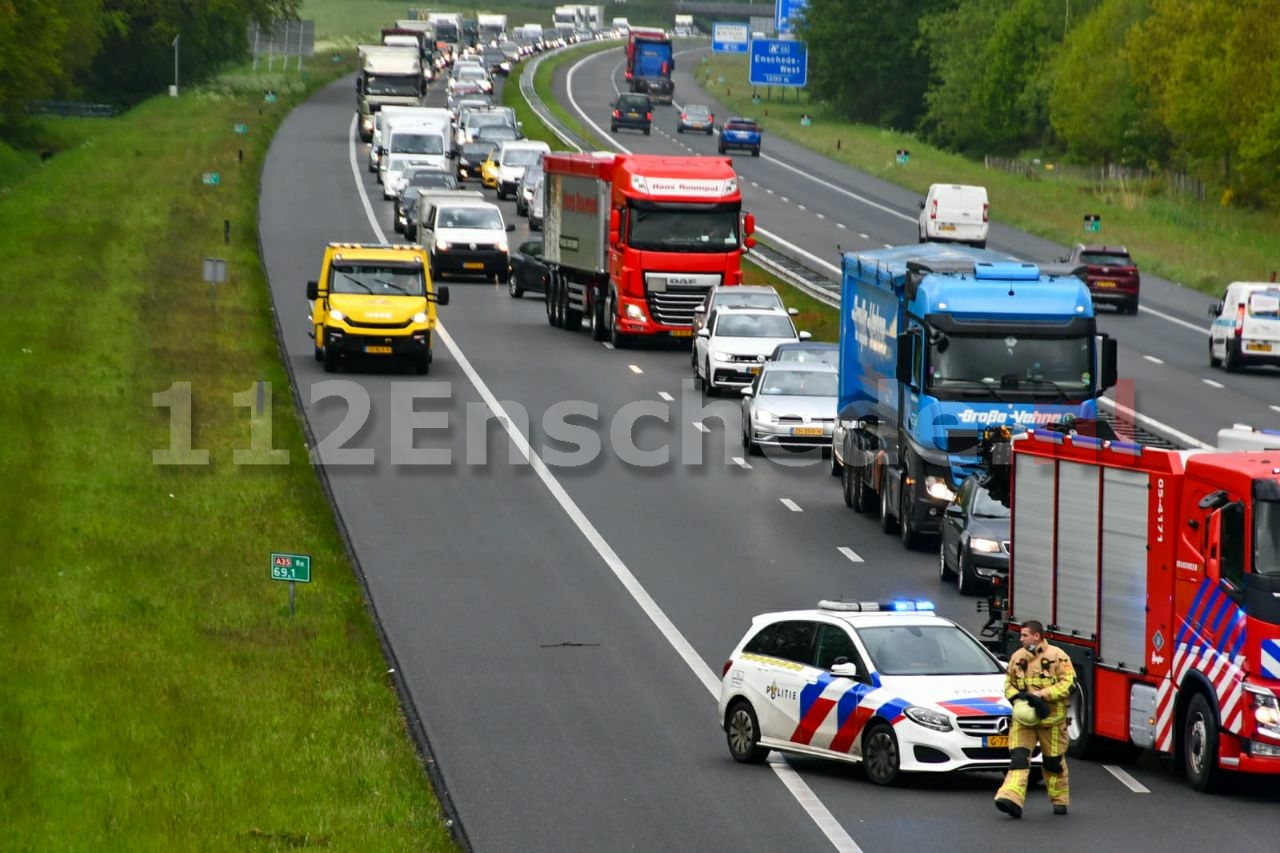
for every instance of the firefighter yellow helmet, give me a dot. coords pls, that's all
(1024, 714)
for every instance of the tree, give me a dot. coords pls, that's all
(46, 42)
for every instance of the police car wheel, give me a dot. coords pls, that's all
(880, 756)
(742, 731)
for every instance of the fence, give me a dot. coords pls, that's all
(284, 39)
(1178, 183)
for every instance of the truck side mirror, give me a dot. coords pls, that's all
(615, 226)
(442, 294)
(903, 373)
(749, 224)
(750, 242)
(1107, 356)
(313, 290)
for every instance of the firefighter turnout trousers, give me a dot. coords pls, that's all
(1052, 738)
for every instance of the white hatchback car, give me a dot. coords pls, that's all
(891, 685)
(730, 349)
(1246, 325)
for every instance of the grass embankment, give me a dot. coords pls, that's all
(820, 320)
(155, 692)
(1200, 245)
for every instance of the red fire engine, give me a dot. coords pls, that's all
(634, 242)
(1158, 572)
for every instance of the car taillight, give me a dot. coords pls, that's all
(683, 117)
(617, 113)
(984, 212)
(1239, 320)
(933, 209)
(727, 665)
(648, 116)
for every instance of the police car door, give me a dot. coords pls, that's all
(781, 656)
(834, 715)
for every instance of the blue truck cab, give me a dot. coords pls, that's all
(939, 342)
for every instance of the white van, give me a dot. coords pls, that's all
(954, 213)
(513, 157)
(1246, 326)
(412, 145)
(404, 116)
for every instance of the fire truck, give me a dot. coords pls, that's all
(634, 241)
(1158, 572)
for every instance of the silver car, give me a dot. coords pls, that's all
(789, 404)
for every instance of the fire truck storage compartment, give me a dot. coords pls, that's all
(1031, 579)
(1142, 713)
(1076, 607)
(1125, 499)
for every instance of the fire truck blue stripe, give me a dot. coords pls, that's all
(1192, 613)
(1235, 647)
(1224, 607)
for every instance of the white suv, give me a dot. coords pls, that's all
(1246, 325)
(730, 349)
(888, 684)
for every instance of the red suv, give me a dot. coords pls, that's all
(1111, 274)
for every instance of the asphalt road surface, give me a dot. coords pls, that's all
(561, 625)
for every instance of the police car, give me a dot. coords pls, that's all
(889, 684)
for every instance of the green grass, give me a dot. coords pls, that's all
(155, 692)
(1201, 245)
(545, 73)
(356, 21)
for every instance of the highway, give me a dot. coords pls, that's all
(560, 626)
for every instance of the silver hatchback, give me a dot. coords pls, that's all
(790, 404)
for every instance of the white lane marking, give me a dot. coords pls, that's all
(784, 198)
(664, 395)
(1125, 779)
(1153, 359)
(799, 789)
(888, 245)
(1274, 408)
(801, 207)
(1212, 383)
(754, 184)
(821, 215)
(841, 226)
(769, 191)
(1177, 321)
(741, 463)
(850, 553)
(606, 345)
(1153, 424)
(634, 368)
(701, 427)
(791, 505)
(864, 236)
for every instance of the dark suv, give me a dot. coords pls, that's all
(1111, 274)
(633, 111)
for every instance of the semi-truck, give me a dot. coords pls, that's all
(573, 17)
(937, 342)
(493, 28)
(448, 30)
(1157, 571)
(388, 75)
(684, 25)
(650, 61)
(634, 242)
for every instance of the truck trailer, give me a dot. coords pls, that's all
(493, 28)
(388, 75)
(938, 342)
(1158, 572)
(634, 242)
(650, 62)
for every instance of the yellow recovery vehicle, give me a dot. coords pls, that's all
(374, 301)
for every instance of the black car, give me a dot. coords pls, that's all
(807, 352)
(632, 111)
(528, 270)
(471, 155)
(420, 179)
(409, 205)
(975, 538)
(496, 61)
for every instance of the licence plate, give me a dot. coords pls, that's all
(1257, 346)
(682, 333)
(473, 265)
(633, 115)
(806, 430)
(753, 370)
(945, 227)
(996, 741)
(378, 350)
(1104, 284)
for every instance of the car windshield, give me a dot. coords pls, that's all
(1106, 259)
(433, 179)
(520, 156)
(733, 297)
(378, 279)
(985, 506)
(683, 230)
(407, 85)
(961, 366)
(798, 383)
(826, 355)
(478, 150)
(755, 326)
(497, 132)
(417, 143)
(926, 650)
(470, 217)
(486, 119)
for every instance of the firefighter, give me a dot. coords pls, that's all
(1041, 676)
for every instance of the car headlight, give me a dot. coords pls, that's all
(442, 245)
(939, 488)
(766, 417)
(928, 718)
(336, 316)
(1266, 710)
(633, 312)
(984, 546)
(420, 317)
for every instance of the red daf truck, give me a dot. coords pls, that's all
(1158, 572)
(635, 241)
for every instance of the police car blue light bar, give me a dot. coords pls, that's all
(899, 605)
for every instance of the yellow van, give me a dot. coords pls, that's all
(374, 301)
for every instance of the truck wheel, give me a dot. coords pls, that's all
(330, 361)
(546, 304)
(319, 354)
(572, 315)
(618, 339)
(910, 537)
(888, 523)
(598, 330)
(422, 366)
(1200, 745)
(755, 152)
(1080, 744)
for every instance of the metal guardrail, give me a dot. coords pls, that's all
(70, 109)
